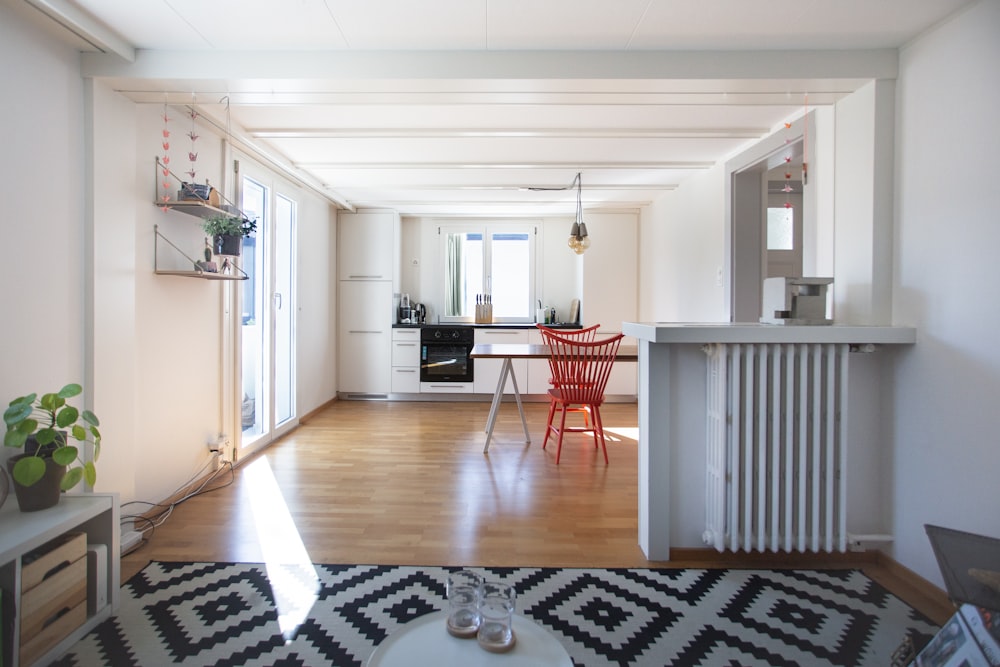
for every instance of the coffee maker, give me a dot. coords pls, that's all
(418, 313)
(405, 310)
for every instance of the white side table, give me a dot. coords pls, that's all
(425, 641)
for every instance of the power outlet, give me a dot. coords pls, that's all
(130, 541)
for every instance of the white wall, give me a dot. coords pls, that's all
(79, 270)
(681, 253)
(945, 420)
(609, 266)
(610, 270)
(42, 230)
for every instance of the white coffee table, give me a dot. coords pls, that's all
(425, 641)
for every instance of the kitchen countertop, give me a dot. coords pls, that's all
(496, 325)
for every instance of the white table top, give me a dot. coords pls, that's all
(735, 332)
(425, 641)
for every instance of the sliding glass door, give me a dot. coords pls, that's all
(267, 329)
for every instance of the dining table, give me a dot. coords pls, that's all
(507, 352)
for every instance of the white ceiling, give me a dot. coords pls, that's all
(453, 107)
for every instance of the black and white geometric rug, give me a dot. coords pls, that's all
(216, 614)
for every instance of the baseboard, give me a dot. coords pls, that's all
(312, 413)
(913, 588)
(708, 557)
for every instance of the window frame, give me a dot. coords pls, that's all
(487, 228)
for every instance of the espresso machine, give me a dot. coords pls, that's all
(418, 313)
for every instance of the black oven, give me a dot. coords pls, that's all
(444, 354)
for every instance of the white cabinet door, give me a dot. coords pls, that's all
(406, 353)
(405, 380)
(368, 245)
(538, 369)
(623, 380)
(487, 371)
(365, 332)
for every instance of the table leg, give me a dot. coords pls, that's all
(520, 407)
(505, 368)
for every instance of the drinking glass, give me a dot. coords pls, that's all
(463, 603)
(496, 611)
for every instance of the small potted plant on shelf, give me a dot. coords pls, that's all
(227, 232)
(45, 429)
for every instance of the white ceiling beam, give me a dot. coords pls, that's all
(419, 166)
(561, 133)
(84, 26)
(526, 65)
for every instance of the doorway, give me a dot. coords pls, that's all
(267, 323)
(766, 204)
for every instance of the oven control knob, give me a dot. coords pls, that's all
(437, 334)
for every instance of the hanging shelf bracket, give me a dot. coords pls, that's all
(196, 271)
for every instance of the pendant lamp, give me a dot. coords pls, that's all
(578, 240)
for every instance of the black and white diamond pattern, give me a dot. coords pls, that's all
(225, 614)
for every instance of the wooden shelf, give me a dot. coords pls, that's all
(193, 273)
(199, 209)
(204, 275)
(97, 515)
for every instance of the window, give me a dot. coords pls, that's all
(487, 260)
(780, 228)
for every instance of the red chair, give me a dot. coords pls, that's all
(580, 373)
(586, 334)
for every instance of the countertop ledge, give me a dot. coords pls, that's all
(736, 332)
(495, 325)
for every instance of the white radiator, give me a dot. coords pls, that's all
(777, 416)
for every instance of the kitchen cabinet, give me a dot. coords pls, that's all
(623, 380)
(487, 371)
(368, 245)
(368, 271)
(365, 336)
(537, 381)
(31, 546)
(405, 361)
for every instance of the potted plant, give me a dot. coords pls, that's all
(44, 428)
(227, 232)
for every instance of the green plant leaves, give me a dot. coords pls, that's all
(29, 470)
(14, 438)
(58, 422)
(70, 390)
(67, 416)
(64, 455)
(71, 479)
(18, 410)
(90, 418)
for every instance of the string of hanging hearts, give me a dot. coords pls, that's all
(165, 158)
(788, 189)
(193, 136)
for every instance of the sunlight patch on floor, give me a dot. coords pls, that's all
(294, 583)
(632, 433)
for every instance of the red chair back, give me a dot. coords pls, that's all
(580, 369)
(585, 334)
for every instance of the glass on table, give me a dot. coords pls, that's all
(496, 611)
(463, 603)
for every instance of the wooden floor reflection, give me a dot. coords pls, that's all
(407, 483)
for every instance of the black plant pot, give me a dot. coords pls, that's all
(228, 245)
(44, 493)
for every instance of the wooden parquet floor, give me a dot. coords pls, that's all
(407, 483)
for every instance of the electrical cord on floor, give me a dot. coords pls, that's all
(158, 518)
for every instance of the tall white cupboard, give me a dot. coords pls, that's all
(368, 271)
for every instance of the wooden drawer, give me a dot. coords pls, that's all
(46, 559)
(54, 632)
(47, 603)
